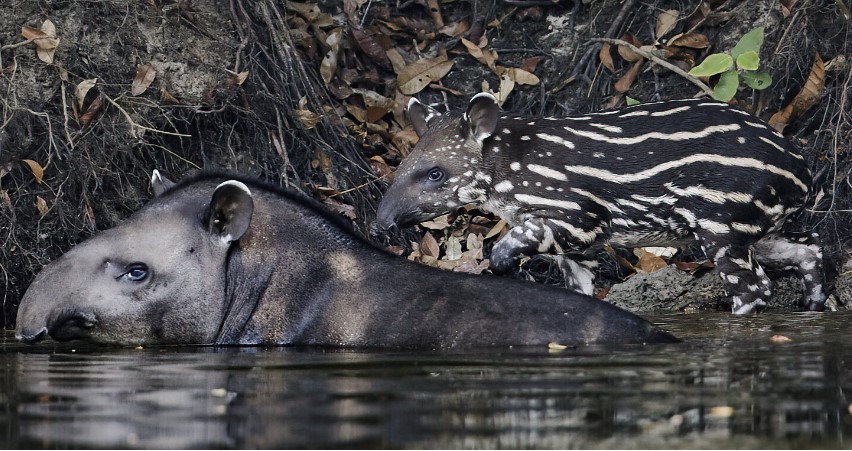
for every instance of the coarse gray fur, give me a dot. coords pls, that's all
(219, 259)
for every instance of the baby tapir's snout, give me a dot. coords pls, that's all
(658, 174)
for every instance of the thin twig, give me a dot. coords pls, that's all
(65, 115)
(134, 124)
(656, 59)
(369, 182)
(23, 43)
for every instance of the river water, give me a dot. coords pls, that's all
(729, 385)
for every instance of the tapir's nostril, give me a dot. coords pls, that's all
(72, 325)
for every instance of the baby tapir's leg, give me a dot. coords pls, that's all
(578, 271)
(799, 252)
(541, 235)
(744, 279)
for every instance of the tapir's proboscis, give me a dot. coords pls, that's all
(219, 259)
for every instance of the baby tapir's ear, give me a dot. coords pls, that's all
(481, 116)
(159, 183)
(230, 211)
(421, 116)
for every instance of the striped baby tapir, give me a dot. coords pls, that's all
(657, 174)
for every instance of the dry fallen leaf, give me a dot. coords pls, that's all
(807, 97)
(82, 89)
(92, 111)
(486, 57)
(416, 76)
(529, 64)
(381, 168)
(429, 246)
(241, 77)
(439, 223)
(45, 40)
(666, 22)
(311, 12)
(328, 66)
(38, 171)
(606, 57)
(339, 207)
(307, 118)
(395, 59)
(501, 224)
(648, 261)
(690, 40)
(693, 267)
(472, 266)
(145, 75)
(626, 81)
(371, 47)
(626, 53)
(521, 76)
(41, 205)
(786, 7)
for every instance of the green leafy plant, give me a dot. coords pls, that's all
(744, 60)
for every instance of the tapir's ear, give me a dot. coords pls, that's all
(421, 116)
(230, 211)
(481, 116)
(159, 183)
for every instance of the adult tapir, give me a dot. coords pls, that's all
(219, 259)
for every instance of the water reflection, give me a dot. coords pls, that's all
(728, 386)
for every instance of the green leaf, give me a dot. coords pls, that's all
(757, 80)
(748, 60)
(750, 42)
(727, 86)
(631, 101)
(712, 65)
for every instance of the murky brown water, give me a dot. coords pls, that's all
(727, 386)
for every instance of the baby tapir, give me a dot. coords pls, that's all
(658, 174)
(223, 260)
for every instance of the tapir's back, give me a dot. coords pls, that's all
(635, 167)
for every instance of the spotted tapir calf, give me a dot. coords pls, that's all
(219, 259)
(658, 174)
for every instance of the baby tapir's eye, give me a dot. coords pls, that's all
(435, 175)
(136, 272)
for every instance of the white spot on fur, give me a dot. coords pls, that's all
(503, 187)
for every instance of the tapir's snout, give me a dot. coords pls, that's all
(391, 214)
(65, 325)
(386, 216)
(30, 336)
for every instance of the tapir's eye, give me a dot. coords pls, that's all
(136, 272)
(435, 175)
